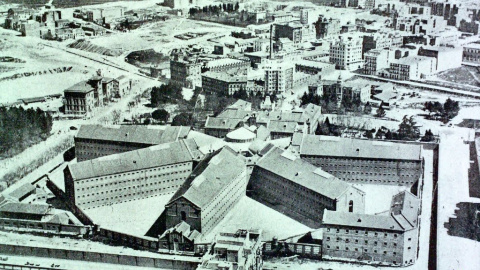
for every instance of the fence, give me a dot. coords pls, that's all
(54, 253)
(30, 226)
(136, 242)
(273, 248)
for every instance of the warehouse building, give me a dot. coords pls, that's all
(152, 171)
(93, 141)
(210, 192)
(390, 239)
(301, 190)
(364, 161)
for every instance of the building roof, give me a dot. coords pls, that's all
(241, 105)
(380, 222)
(149, 135)
(404, 208)
(222, 61)
(347, 147)
(281, 116)
(282, 126)
(81, 87)
(412, 60)
(314, 64)
(225, 77)
(222, 123)
(288, 166)
(22, 191)
(472, 45)
(241, 133)
(184, 229)
(150, 157)
(210, 177)
(235, 114)
(25, 208)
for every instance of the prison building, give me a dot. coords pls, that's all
(301, 190)
(390, 239)
(93, 141)
(147, 172)
(211, 191)
(364, 161)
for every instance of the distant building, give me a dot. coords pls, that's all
(121, 86)
(223, 83)
(327, 27)
(292, 31)
(17, 16)
(379, 239)
(185, 73)
(376, 60)
(301, 190)
(278, 77)
(210, 192)
(314, 68)
(471, 53)
(225, 64)
(445, 57)
(152, 171)
(94, 141)
(177, 4)
(220, 126)
(181, 237)
(364, 161)
(412, 68)
(355, 92)
(79, 99)
(381, 40)
(239, 250)
(346, 53)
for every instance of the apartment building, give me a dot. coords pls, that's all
(471, 53)
(185, 73)
(278, 77)
(79, 99)
(223, 83)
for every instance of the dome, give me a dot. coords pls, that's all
(240, 135)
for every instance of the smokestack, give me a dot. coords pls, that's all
(272, 36)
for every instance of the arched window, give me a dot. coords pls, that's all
(350, 206)
(184, 215)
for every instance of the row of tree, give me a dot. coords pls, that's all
(215, 9)
(165, 93)
(445, 111)
(407, 131)
(329, 102)
(20, 128)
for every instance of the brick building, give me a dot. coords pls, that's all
(364, 161)
(185, 73)
(301, 190)
(94, 141)
(390, 239)
(152, 171)
(210, 192)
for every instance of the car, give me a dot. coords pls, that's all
(73, 128)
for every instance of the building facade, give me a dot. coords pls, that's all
(222, 83)
(363, 161)
(210, 192)
(94, 141)
(185, 73)
(278, 78)
(138, 174)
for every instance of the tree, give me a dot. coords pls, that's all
(182, 119)
(160, 115)
(367, 109)
(408, 130)
(451, 108)
(380, 111)
(369, 133)
(388, 135)
(323, 129)
(237, 6)
(428, 137)
(241, 94)
(116, 115)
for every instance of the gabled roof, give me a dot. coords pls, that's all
(22, 191)
(360, 220)
(81, 87)
(358, 148)
(210, 177)
(25, 208)
(290, 167)
(184, 229)
(150, 157)
(404, 208)
(235, 113)
(282, 126)
(149, 135)
(222, 123)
